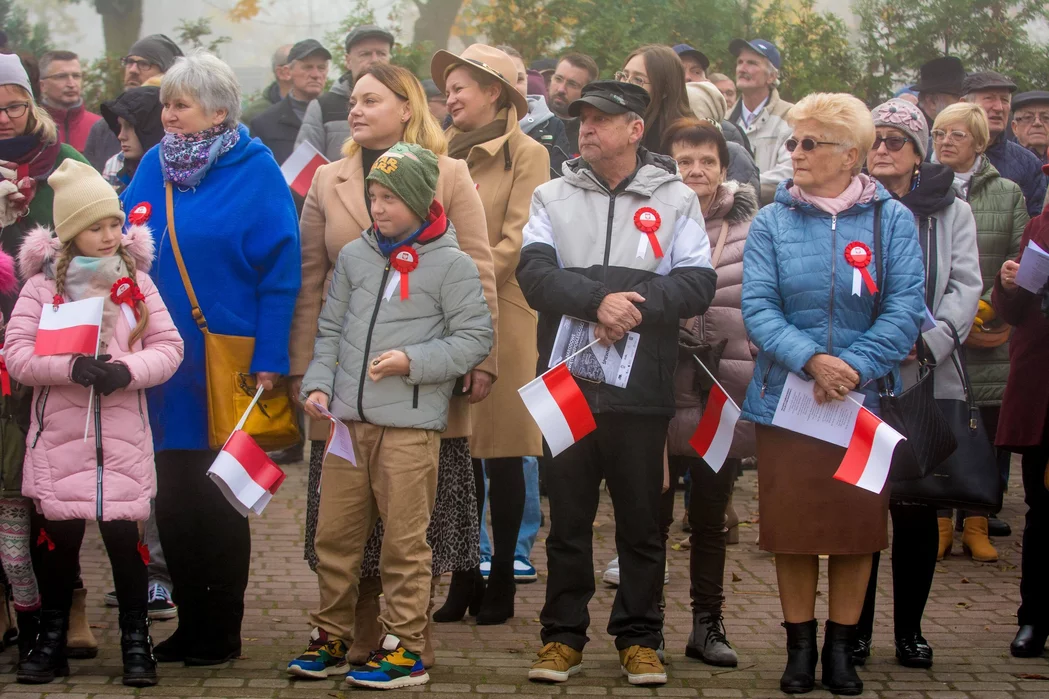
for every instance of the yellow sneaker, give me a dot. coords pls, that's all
(641, 665)
(557, 662)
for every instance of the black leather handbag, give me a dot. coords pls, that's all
(913, 413)
(968, 479)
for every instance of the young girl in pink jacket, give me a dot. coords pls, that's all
(69, 479)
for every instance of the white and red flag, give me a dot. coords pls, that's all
(866, 463)
(300, 167)
(73, 327)
(559, 408)
(713, 436)
(245, 475)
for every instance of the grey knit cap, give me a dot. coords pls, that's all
(907, 118)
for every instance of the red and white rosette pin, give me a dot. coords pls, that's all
(859, 256)
(648, 222)
(404, 260)
(140, 213)
(126, 294)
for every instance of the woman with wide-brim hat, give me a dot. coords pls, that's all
(506, 166)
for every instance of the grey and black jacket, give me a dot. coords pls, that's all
(326, 124)
(444, 326)
(581, 243)
(545, 127)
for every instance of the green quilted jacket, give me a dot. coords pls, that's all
(1001, 214)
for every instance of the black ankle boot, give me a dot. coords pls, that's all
(839, 674)
(465, 592)
(498, 604)
(47, 659)
(28, 628)
(136, 649)
(861, 647)
(800, 675)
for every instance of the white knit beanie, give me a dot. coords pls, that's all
(706, 101)
(82, 198)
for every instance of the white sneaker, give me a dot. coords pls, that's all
(611, 575)
(666, 574)
(486, 569)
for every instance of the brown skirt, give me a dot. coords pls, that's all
(803, 509)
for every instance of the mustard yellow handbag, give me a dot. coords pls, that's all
(231, 386)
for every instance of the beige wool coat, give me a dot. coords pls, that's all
(335, 214)
(507, 170)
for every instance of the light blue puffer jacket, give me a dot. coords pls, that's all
(792, 311)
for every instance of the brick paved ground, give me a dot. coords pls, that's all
(970, 621)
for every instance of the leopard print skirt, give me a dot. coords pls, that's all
(453, 533)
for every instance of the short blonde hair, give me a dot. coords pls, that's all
(39, 123)
(845, 118)
(972, 117)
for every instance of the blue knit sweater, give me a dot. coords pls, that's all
(239, 236)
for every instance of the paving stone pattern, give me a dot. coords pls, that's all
(969, 622)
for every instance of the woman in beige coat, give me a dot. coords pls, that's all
(507, 166)
(387, 105)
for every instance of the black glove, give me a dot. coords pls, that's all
(88, 370)
(116, 377)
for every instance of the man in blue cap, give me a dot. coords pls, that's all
(760, 112)
(694, 61)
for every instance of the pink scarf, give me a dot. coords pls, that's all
(860, 191)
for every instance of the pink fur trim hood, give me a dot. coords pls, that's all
(40, 246)
(8, 278)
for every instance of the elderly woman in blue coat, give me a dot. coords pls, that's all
(805, 315)
(238, 233)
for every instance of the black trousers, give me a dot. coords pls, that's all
(915, 542)
(708, 498)
(627, 451)
(58, 562)
(208, 548)
(1034, 577)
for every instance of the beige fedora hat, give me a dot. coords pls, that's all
(487, 58)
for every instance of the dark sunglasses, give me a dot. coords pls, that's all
(893, 143)
(807, 144)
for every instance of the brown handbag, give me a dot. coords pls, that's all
(231, 385)
(992, 337)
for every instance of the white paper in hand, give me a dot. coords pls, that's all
(1034, 268)
(798, 411)
(340, 443)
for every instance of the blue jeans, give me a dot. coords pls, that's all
(529, 521)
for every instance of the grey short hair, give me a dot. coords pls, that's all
(208, 80)
(280, 57)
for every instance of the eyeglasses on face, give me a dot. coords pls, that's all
(941, 136)
(1029, 118)
(807, 144)
(633, 80)
(139, 63)
(15, 111)
(893, 143)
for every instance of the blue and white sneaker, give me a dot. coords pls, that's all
(486, 569)
(523, 570)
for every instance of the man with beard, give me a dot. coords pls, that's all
(573, 72)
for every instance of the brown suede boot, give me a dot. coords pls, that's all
(367, 631)
(428, 657)
(975, 541)
(946, 537)
(80, 642)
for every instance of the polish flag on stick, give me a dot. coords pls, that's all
(559, 407)
(73, 327)
(867, 461)
(713, 436)
(243, 472)
(300, 167)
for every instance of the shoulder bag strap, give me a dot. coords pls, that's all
(720, 247)
(963, 372)
(198, 315)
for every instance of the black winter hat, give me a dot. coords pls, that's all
(157, 49)
(945, 74)
(612, 97)
(141, 107)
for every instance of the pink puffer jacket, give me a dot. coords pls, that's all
(736, 205)
(61, 469)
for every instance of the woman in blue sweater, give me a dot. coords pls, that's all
(238, 233)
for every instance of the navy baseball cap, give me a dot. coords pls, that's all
(759, 46)
(685, 49)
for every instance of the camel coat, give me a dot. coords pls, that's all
(507, 170)
(335, 214)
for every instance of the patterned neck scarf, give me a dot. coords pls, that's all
(186, 158)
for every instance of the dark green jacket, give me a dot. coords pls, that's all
(1001, 214)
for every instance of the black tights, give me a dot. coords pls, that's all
(506, 494)
(915, 542)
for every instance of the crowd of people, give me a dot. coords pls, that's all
(425, 277)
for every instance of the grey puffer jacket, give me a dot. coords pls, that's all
(444, 327)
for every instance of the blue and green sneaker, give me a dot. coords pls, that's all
(324, 657)
(391, 667)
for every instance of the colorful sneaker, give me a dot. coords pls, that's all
(641, 665)
(557, 662)
(523, 570)
(324, 657)
(391, 667)
(160, 604)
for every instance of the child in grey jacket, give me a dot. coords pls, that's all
(404, 318)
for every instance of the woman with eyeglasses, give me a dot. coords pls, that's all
(808, 317)
(959, 138)
(947, 234)
(658, 70)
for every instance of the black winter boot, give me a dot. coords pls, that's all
(28, 628)
(47, 659)
(498, 604)
(136, 649)
(839, 673)
(465, 592)
(799, 676)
